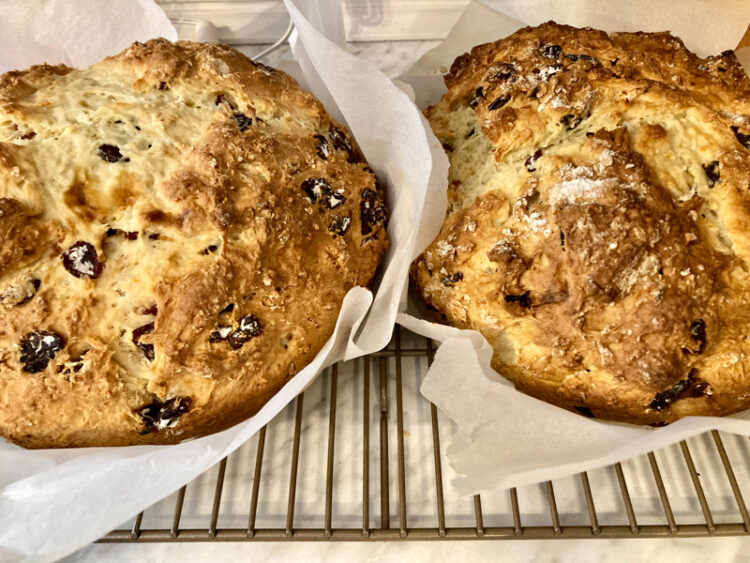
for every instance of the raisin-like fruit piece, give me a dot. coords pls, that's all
(689, 387)
(315, 188)
(531, 161)
(81, 260)
(524, 300)
(243, 122)
(551, 51)
(323, 149)
(38, 348)
(160, 415)
(447, 147)
(249, 327)
(499, 102)
(742, 138)
(111, 153)
(575, 57)
(450, 281)
(712, 172)
(570, 121)
(147, 349)
(221, 333)
(371, 210)
(319, 190)
(221, 99)
(698, 333)
(339, 225)
(342, 142)
(152, 310)
(504, 71)
(478, 95)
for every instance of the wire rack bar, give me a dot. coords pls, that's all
(295, 465)
(385, 507)
(331, 446)
(400, 439)
(626, 498)
(366, 452)
(175, 529)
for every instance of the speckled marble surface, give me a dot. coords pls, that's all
(393, 58)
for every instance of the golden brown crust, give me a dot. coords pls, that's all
(599, 216)
(178, 228)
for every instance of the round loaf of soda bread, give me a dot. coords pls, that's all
(598, 231)
(178, 228)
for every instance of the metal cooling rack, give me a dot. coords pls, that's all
(358, 457)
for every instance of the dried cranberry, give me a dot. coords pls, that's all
(742, 138)
(160, 415)
(531, 161)
(81, 260)
(712, 172)
(342, 142)
(38, 348)
(371, 210)
(111, 153)
(249, 327)
(551, 51)
(450, 281)
(147, 349)
(499, 102)
(322, 149)
(243, 122)
(339, 225)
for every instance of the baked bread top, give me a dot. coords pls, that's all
(178, 228)
(598, 231)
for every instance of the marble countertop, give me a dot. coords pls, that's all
(393, 58)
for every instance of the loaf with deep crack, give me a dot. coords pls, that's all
(598, 230)
(178, 228)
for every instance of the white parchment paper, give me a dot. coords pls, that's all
(503, 437)
(55, 501)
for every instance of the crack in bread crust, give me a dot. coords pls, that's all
(598, 220)
(163, 271)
